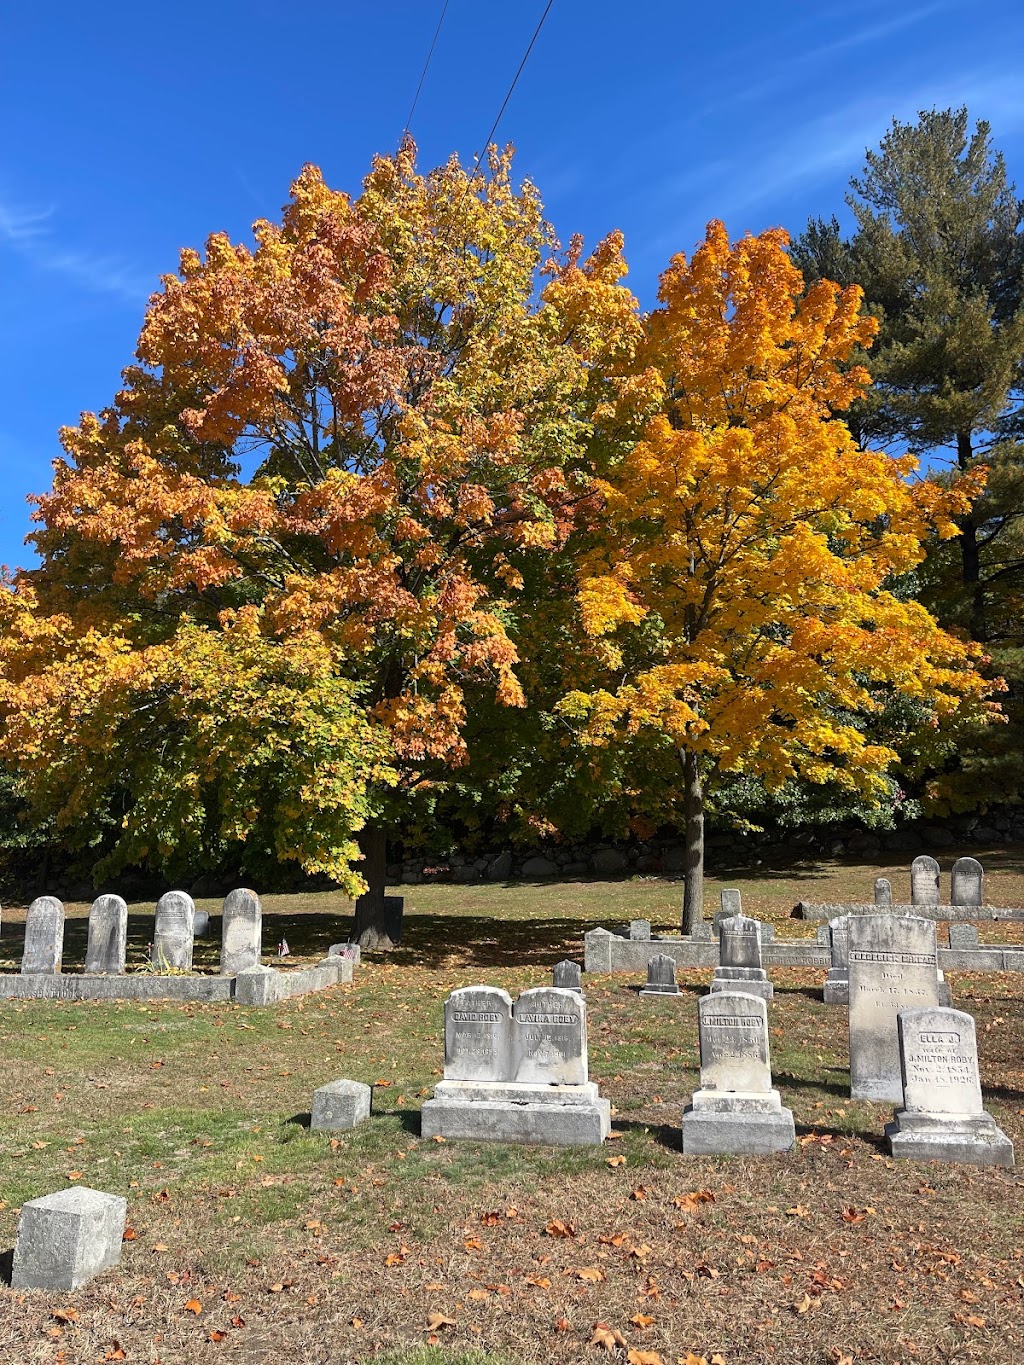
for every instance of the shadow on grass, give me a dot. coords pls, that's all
(302, 1120)
(791, 1082)
(668, 1135)
(865, 1135)
(6, 1267)
(409, 1119)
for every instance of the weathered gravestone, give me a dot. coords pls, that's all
(836, 990)
(67, 1238)
(943, 1116)
(968, 882)
(883, 891)
(639, 928)
(174, 932)
(736, 1110)
(567, 976)
(963, 935)
(893, 967)
(338, 1106)
(924, 881)
(739, 958)
(661, 976)
(108, 936)
(241, 932)
(44, 936)
(517, 1073)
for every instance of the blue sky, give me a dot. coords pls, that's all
(135, 130)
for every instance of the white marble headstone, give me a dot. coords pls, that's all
(108, 936)
(968, 882)
(242, 932)
(550, 1037)
(924, 881)
(734, 1043)
(478, 1035)
(174, 932)
(44, 936)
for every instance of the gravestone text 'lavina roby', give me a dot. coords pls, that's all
(517, 1072)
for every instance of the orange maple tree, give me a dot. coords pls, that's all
(272, 568)
(740, 579)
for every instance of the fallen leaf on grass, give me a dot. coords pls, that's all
(562, 1324)
(436, 1320)
(115, 1353)
(798, 1211)
(478, 1294)
(74, 1175)
(129, 1235)
(540, 1282)
(193, 1306)
(803, 1305)
(216, 1335)
(556, 1228)
(66, 1315)
(690, 1203)
(635, 1357)
(640, 1193)
(591, 1273)
(615, 1161)
(641, 1320)
(474, 1244)
(606, 1337)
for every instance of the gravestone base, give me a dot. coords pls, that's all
(972, 1140)
(729, 1123)
(67, 1238)
(660, 991)
(339, 1105)
(523, 1112)
(836, 990)
(749, 980)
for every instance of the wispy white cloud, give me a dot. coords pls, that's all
(30, 232)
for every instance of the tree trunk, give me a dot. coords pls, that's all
(969, 548)
(693, 808)
(370, 929)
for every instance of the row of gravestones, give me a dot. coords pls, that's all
(173, 934)
(966, 883)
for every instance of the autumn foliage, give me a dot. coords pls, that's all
(279, 568)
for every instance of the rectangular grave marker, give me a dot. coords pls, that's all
(174, 932)
(739, 958)
(968, 882)
(893, 966)
(108, 936)
(241, 932)
(883, 891)
(478, 1035)
(924, 881)
(550, 1037)
(44, 936)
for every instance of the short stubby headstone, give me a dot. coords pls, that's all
(732, 902)
(108, 936)
(836, 990)
(736, 1110)
(174, 932)
(567, 976)
(201, 924)
(963, 935)
(943, 1116)
(924, 881)
(661, 976)
(241, 944)
(739, 958)
(883, 891)
(893, 967)
(968, 882)
(67, 1238)
(339, 1105)
(550, 1037)
(639, 928)
(44, 936)
(478, 1035)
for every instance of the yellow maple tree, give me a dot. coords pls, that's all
(741, 575)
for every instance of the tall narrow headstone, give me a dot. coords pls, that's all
(883, 891)
(108, 936)
(661, 976)
(242, 932)
(174, 932)
(478, 1034)
(550, 1037)
(566, 975)
(836, 990)
(943, 1116)
(893, 967)
(736, 1110)
(44, 936)
(739, 958)
(968, 882)
(924, 881)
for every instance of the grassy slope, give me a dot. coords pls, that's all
(297, 1247)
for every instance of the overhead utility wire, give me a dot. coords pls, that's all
(515, 79)
(423, 73)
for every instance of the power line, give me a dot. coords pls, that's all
(515, 79)
(423, 73)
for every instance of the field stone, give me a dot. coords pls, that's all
(67, 1238)
(339, 1105)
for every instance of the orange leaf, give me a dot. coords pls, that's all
(193, 1306)
(436, 1320)
(540, 1282)
(556, 1228)
(591, 1273)
(217, 1335)
(607, 1337)
(641, 1320)
(615, 1161)
(635, 1357)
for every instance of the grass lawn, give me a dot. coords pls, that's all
(254, 1240)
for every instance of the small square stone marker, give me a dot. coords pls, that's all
(67, 1238)
(339, 1105)
(943, 1116)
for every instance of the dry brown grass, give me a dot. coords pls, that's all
(295, 1248)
